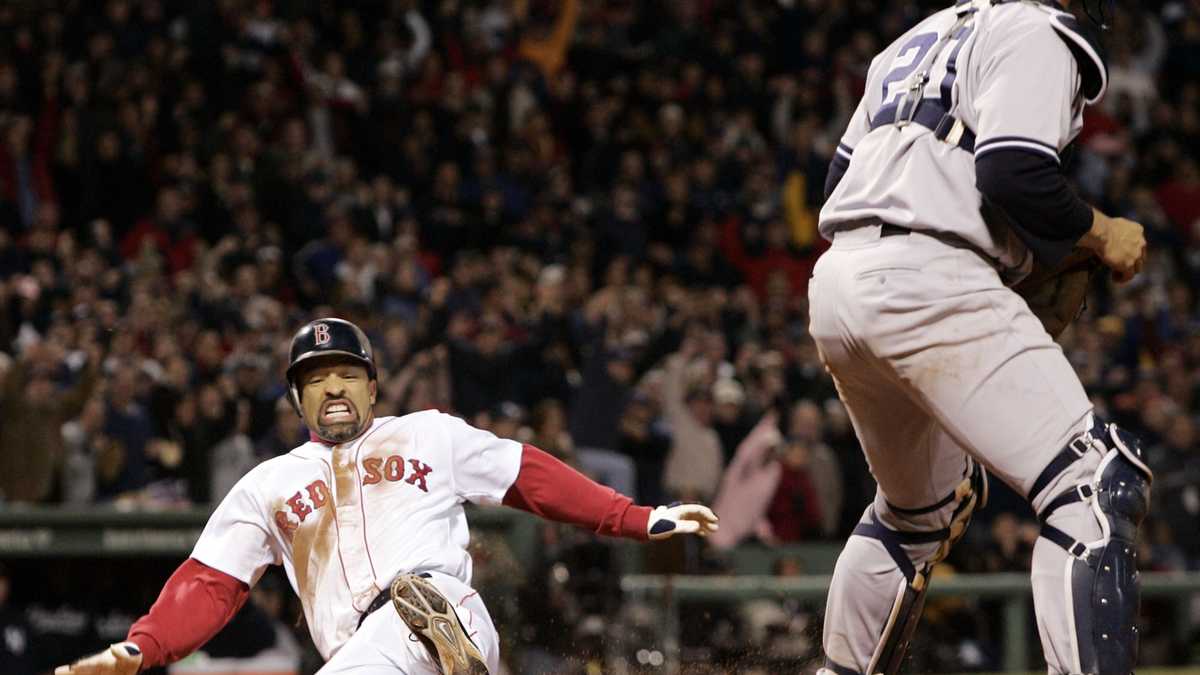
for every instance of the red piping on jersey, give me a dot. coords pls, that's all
(338, 527)
(193, 606)
(470, 614)
(362, 508)
(548, 488)
(362, 499)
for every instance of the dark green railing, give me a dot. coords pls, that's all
(1012, 589)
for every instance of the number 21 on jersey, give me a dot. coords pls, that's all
(911, 57)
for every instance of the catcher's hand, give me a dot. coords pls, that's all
(1119, 242)
(1057, 295)
(668, 521)
(123, 658)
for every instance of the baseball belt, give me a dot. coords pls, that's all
(384, 598)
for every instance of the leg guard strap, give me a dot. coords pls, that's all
(1077, 448)
(1065, 541)
(895, 540)
(969, 474)
(831, 668)
(910, 594)
(1079, 493)
(1102, 582)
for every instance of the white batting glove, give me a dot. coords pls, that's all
(123, 658)
(668, 521)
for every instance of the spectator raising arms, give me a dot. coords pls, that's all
(601, 213)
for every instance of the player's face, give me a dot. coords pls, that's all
(337, 397)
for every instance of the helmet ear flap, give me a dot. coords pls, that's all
(294, 399)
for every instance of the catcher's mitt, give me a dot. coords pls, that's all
(1057, 295)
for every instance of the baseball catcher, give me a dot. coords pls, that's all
(367, 520)
(948, 372)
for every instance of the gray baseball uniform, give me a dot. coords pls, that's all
(941, 366)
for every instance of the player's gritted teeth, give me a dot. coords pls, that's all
(338, 411)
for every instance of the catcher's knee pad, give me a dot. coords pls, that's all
(1102, 586)
(969, 495)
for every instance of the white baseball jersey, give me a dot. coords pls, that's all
(344, 520)
(1008, 72)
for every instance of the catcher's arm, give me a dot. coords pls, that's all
(194, 605)
(1056, 294)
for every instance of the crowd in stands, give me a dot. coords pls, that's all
(586, 225)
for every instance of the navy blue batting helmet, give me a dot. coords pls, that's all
(327, 338)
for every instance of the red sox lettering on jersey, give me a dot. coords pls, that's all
(345, 519)
(374, 470)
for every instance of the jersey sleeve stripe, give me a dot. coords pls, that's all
(1024, 139)
(845, 150)
(1039, 148)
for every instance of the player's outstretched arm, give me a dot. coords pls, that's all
(549, 488)
(123, 658)
(194, 605)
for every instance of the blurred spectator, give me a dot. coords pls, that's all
(508, 420)
(168, 233)
(1180, 198)
(807, 425)
(796, 512)
(729, 418)
(234, 455)
(33, 409)
(550, 432)
(84, 442)
(285, 433)
(545, 44)
(127, 423)
(16, 649)
(749, 485)
(202, 419)
(25, 168)
(1011, 545)
(695, 462)
(1177, 492)
(645, 441)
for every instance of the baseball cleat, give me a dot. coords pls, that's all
(433, 620)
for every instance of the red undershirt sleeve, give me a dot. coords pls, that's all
(548, 488)
(194, 605)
